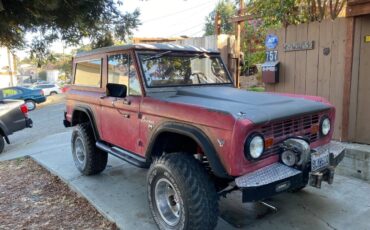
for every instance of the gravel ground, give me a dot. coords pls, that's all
(32, 198)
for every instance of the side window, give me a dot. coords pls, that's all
(118, 69)
(11, 92)
(134, 85)
(121, 70)
(88, 73)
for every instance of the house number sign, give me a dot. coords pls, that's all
(298, 46)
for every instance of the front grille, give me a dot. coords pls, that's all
(297, 126)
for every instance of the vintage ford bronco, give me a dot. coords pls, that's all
(174, 109)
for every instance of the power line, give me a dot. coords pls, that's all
(175, 13)
(190, 28)
(191, 35)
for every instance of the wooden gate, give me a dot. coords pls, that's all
(360, 88)
(318, 71)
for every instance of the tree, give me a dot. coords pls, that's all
(287, 12)
(226, 9)
(68, 20)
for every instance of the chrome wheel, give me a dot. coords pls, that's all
(167, 201)
(80, 150)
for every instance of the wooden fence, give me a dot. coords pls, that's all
(319, 71)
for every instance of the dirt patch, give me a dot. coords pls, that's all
(32, 198)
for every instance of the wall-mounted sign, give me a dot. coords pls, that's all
(271, 41)
(298, 46)
(367, 38)
(271, 56)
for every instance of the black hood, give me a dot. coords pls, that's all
(254, 106)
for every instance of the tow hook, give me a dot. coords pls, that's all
(316, 178)
(29, 123)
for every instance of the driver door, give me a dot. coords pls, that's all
(119, 118)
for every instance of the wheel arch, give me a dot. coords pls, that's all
(83, 114)
(195, 134)
(29, 99)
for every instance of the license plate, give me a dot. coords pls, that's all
(319, 160)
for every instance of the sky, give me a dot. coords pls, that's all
(162, 18)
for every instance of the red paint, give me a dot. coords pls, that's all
(132, 126)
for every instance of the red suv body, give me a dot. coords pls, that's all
(143, 102)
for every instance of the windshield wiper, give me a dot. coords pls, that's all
(157, 56)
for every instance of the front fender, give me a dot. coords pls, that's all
(198, 136)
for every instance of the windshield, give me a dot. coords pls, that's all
(179, 69)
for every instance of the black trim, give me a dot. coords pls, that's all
(123, 154)
(247, 153)
(198, 136)
(251, 194)
(87, 110)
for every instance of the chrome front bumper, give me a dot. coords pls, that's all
(277, 177)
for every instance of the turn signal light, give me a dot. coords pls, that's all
(315, 129)
(24, 109)
(269, 142)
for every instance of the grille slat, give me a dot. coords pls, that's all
(280, 130)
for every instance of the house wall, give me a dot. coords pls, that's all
(52, 76)
(7, 69)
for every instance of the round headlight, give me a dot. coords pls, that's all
(254, 146)
(325, 126)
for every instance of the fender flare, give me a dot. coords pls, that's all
(198, 136)
(90, 114)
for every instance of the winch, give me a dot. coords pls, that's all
(296, 152)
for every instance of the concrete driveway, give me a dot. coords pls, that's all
(119, 193)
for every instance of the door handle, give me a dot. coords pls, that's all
(126, 115)
(126, 101)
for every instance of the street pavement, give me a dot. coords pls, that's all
(47, 119)
(119, 193)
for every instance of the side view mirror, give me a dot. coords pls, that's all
(116, 90)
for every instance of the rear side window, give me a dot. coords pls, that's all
(88, 73)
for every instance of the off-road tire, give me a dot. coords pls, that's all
(2, 144)
(53, 93)
(198, 198)
(95, 160)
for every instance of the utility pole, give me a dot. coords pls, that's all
(11, 66)
(217, 23)
(239, 25)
